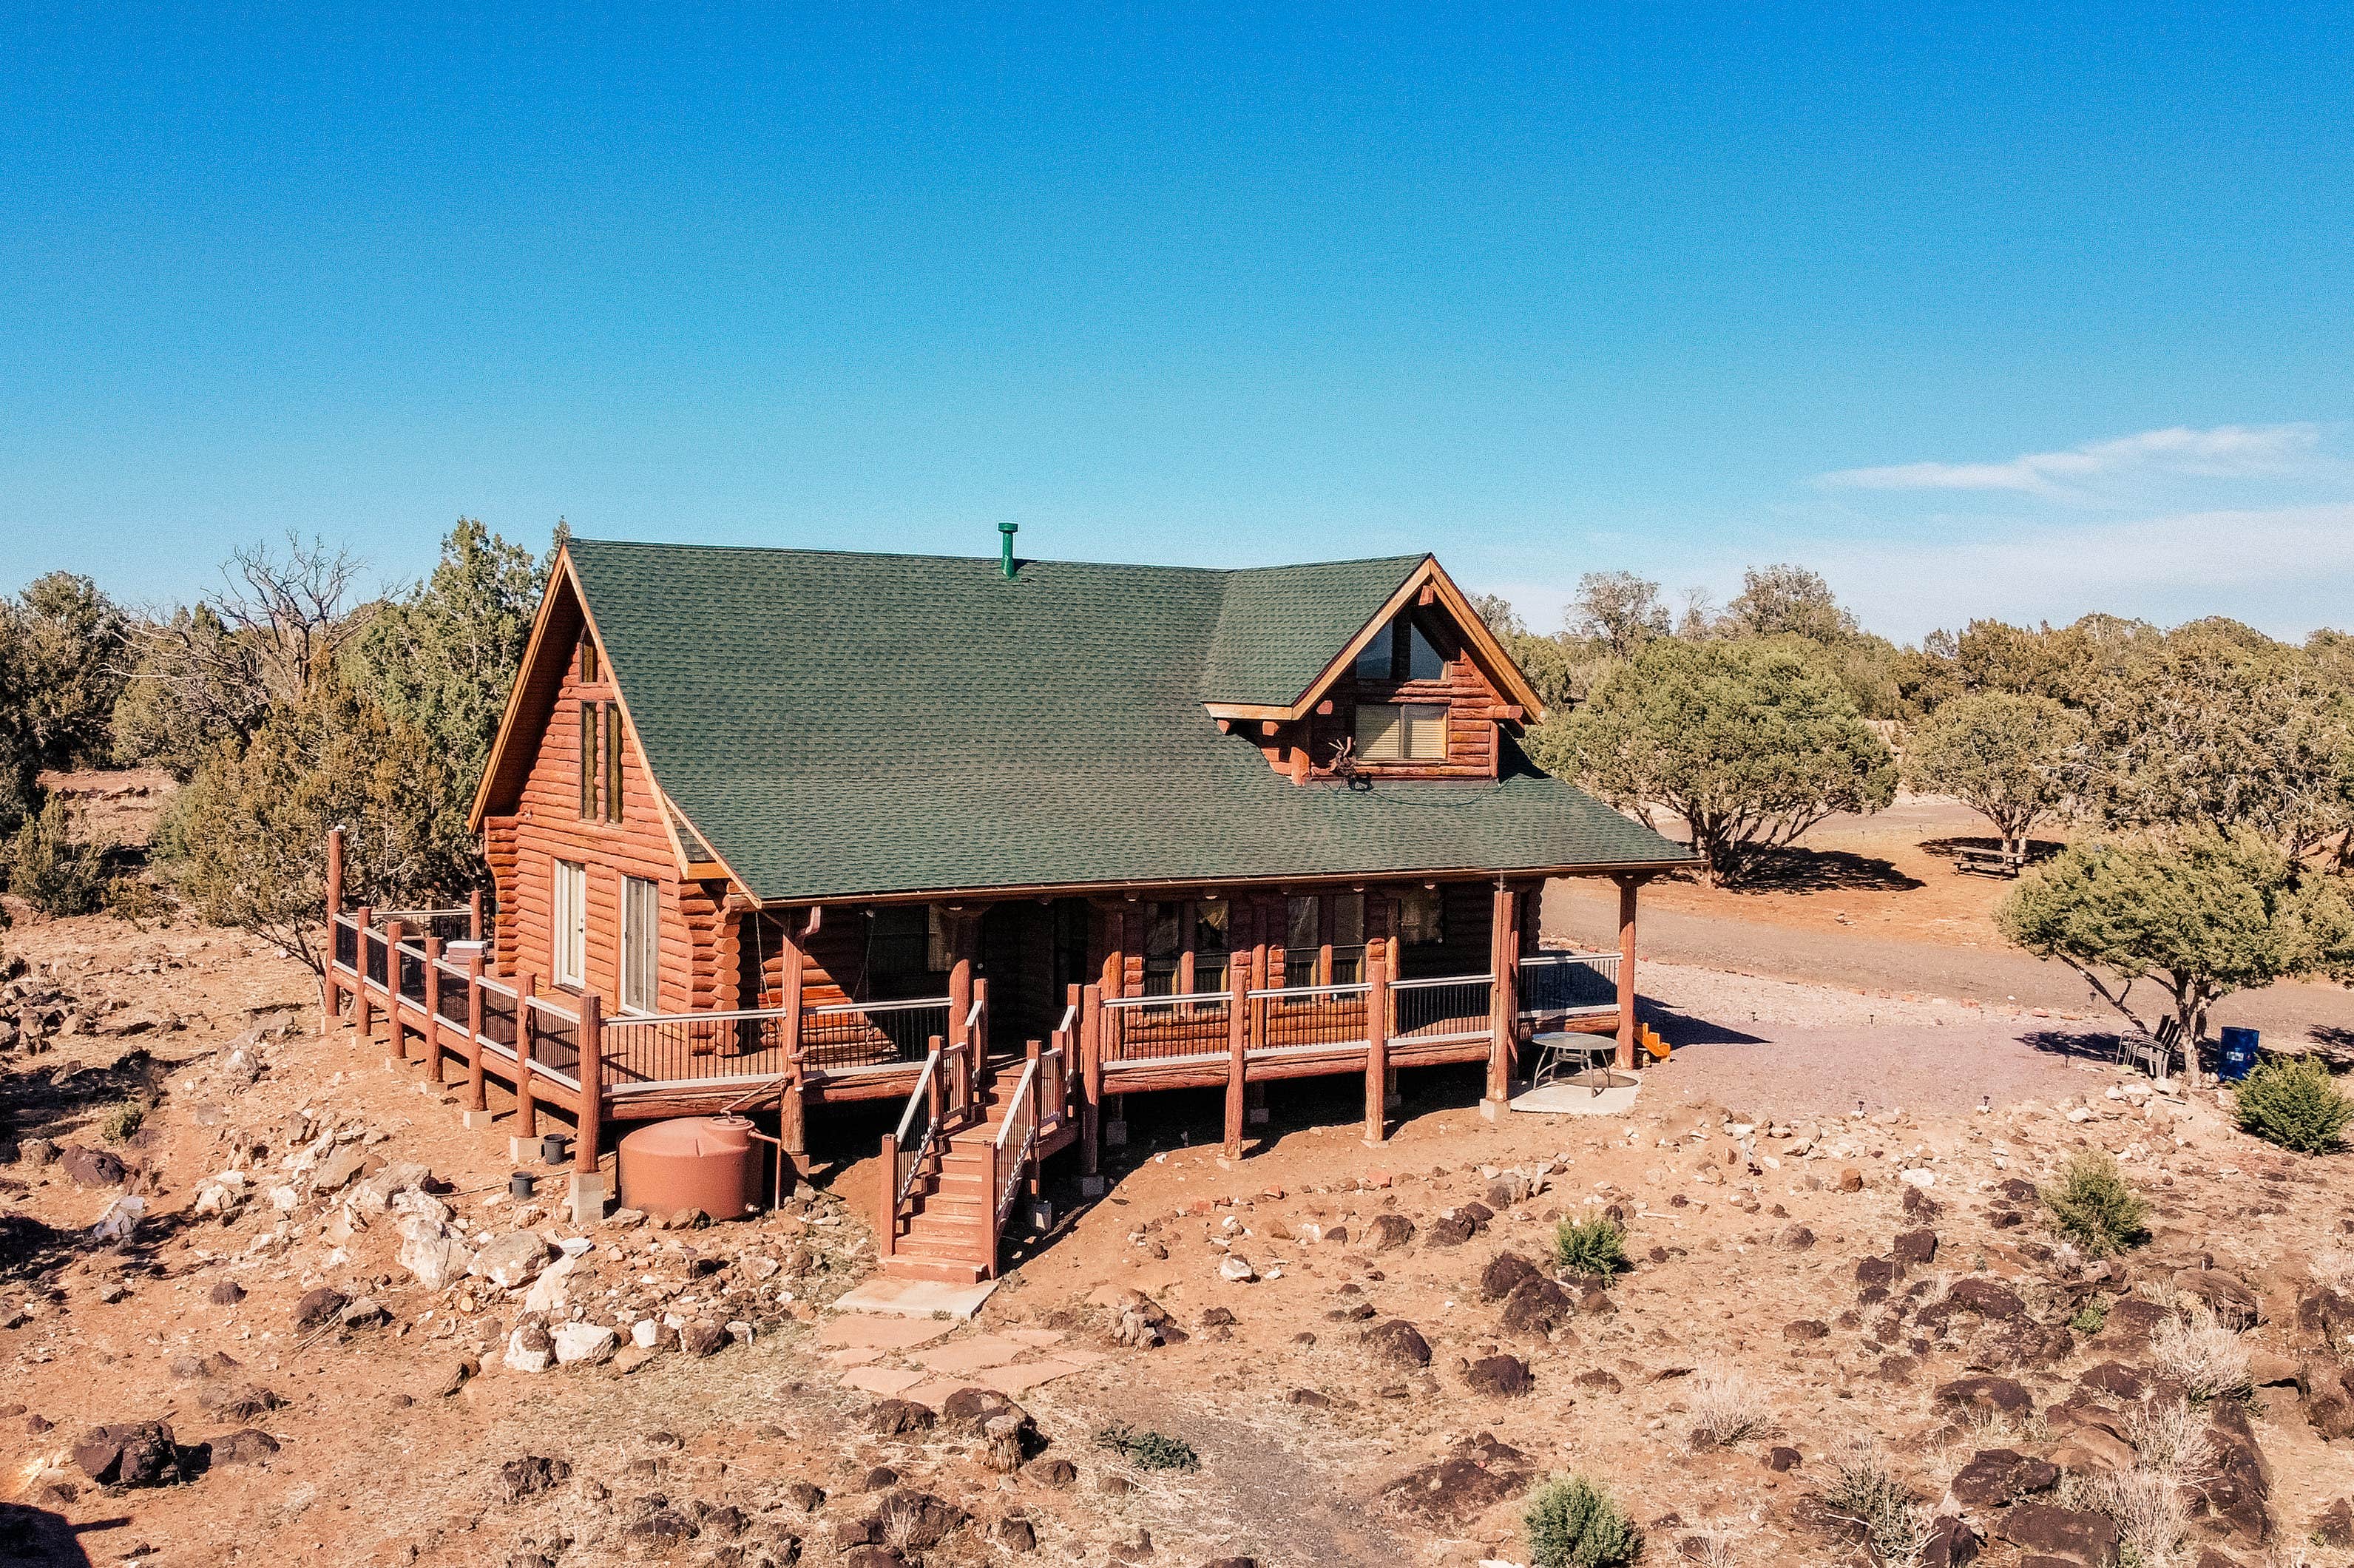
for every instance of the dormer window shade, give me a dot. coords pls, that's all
(1402, 732)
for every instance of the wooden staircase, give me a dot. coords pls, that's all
(947, 1229)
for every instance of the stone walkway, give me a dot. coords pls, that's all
(912, 1358)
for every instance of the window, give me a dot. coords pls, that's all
(640, 952)
(1164, 946)
(567, 958)
(1303, 939)
(906, 953)
(1400, 652)
(587, 760)
(1422, 921)
(587, 660)
(1210, 918)
(612, 762)
(1348, 934)
(1402, 732)
(1422, 659)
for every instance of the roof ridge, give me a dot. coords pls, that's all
(990, 560)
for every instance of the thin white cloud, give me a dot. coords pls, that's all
(2226, 451)
(2284, 569)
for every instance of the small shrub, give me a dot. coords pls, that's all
(122, 1122)
(135, 901)
(2091, 1315)
(2292, 1101)
(2201, 1353)
(49, 871)
(1595, 1246)
(2092, 1207)
(1575, 1523)
(1863, 1491)
(1149, 1450)
(1727, 1406)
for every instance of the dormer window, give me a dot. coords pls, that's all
(1400, 653)
(1402, 732)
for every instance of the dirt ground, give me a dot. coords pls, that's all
(1888, 875)
(1323, 1435)
(1370, 1352)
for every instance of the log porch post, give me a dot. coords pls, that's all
(477, 1105)
(527, 1024)
(1628, 887)
(1503, 1008)
(433, 1008)
(1238, 1034)
(331, 996)
(1377, 1046)
(1090, 1081)
(588, 1176)
(398, 1040)
(793, 1109)
(363, 1004)
(474, 916)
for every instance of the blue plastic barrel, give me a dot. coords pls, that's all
(2239, 1055)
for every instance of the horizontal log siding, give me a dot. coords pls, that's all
(548, 827)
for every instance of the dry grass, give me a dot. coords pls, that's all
(1863, 1491)
(2198, 1350)
(1728, 1404)
(2334, 1270)
(1712, 1545)
(2150, 1503)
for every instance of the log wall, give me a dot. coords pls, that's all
(548, 826)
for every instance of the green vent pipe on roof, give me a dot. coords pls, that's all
(1005, 531)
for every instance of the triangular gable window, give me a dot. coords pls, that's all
(1399, 652)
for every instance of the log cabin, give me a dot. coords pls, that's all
(1004, 841)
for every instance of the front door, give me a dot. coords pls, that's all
(1031, 953)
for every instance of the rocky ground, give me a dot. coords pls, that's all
(285, 1310)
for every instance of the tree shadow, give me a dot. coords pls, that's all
(2036, 849)
(2077, 1046)
(1795, 869)
(29, 1247)
(39, 1539)
(1683, 1029)
(35, 1102)
(2333, 1042)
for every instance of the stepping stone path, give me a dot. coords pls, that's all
(919, 1359)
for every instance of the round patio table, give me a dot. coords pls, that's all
(1558, 1048)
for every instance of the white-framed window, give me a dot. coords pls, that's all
(641, 951)
(1402, 732)
(567, 956)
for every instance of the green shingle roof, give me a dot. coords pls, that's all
(835, 725)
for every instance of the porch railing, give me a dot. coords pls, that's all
(1310, 1017)
(1441, 1008)
(872, 1034)
(1166, 1028)
(1557, 984)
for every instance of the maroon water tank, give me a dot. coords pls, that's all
(708, 1163)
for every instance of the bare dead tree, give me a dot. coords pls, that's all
(211, 672)
(293, 607)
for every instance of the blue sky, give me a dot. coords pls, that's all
(1989, 313)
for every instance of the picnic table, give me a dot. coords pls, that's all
(1989, 862)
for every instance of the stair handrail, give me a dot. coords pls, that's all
(909, 1150)
(1019, 1132)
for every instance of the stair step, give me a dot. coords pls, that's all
(950, 1271)
(946, 1221)
(938, 1250)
